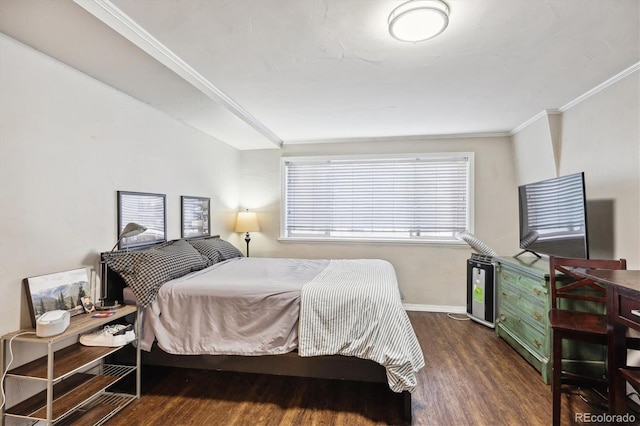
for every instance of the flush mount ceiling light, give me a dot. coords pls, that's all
(418, 20)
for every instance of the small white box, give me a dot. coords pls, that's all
(52, 323)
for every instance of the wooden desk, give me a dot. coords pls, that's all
(623, 310)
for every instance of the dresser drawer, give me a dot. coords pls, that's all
(629, 309)
(531, 288)
(529, 297)
(530, 311)
(521, 326)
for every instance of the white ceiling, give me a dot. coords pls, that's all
(255, 73)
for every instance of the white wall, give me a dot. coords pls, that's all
(534, 152)
(600, 136)
(67, 144)
(428, 274)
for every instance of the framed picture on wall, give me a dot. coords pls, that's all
(146, 209)
(60, 290)
(195, 217)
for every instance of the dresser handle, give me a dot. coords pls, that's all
(535, 342)
(537, 291)
(636, 312)
(537, 315)
(502, 317)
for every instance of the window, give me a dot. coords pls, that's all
(413, 198)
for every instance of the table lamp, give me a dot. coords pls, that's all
(130, 230)
(247, 222)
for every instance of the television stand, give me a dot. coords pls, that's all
(527, 251)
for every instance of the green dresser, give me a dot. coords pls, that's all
(523, 303)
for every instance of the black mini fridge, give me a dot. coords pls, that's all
(481, 295)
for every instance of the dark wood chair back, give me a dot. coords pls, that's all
(573, 285)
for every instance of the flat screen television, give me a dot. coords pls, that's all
(553, 217)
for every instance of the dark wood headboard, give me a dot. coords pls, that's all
(113, 282)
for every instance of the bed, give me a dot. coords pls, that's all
(205, 305)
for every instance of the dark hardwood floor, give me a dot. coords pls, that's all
(471, 377)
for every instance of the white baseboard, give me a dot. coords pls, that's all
(435, 308)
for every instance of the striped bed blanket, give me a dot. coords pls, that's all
(357, 311)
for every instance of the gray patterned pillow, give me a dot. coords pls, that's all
(207, 251)
(145, 271)
(208, 247)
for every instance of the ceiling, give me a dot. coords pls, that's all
(259, 73)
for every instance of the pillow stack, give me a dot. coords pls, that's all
(146, 270)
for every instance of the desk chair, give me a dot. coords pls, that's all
(575, 325)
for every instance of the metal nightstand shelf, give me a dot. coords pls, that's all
(76, 376)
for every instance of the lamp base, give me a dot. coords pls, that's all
(247, 238)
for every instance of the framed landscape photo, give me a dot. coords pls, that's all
(195, 217)
(146, 209)
(61, 290)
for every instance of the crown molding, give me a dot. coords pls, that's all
(115, 18)
(398, 138)
(633, 68)
(533, 119)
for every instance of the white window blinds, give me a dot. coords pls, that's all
(423, 197)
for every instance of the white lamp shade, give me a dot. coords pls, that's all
(418, 20)
(247, 222)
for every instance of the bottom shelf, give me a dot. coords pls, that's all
(70, 394)
(99, 410)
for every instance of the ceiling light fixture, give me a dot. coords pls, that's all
(418, 20)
